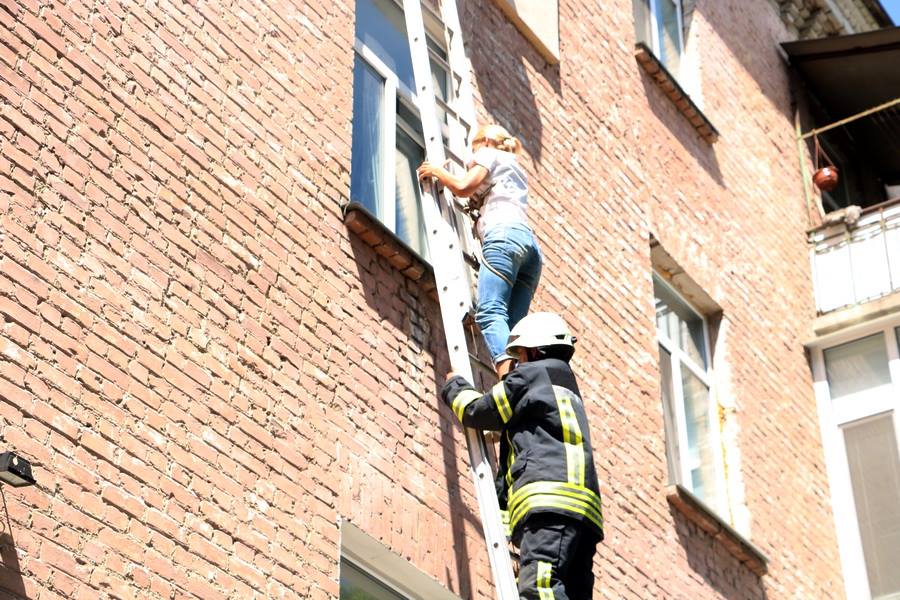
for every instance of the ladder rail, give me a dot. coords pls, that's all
(451, 277)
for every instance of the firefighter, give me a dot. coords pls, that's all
(546, 483)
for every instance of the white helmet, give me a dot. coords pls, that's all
(538, 330)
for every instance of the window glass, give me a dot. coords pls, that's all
(669, 414)
(872, 455)
(381, 27)
(356, 584)
(667, 21)
(410, 223)
(367, 160)
(678, 322)
(700, 459)
(438, 72)
(857, 366)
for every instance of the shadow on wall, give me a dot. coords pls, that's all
(758, 53)
(499, 54)
(711, 561)
(662, 106)
(668, 114)
(11, 582)
(405, 305)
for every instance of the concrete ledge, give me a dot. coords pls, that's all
(385, 243)
(846, 318)
(675, 92)
(538, 22)
(699, 513)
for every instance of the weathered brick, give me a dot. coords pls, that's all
(210, 368)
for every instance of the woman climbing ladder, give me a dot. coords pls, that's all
(511, 259)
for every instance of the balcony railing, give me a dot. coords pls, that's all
(857, 263)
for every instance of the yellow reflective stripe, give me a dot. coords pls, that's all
(555, 494)
(502, 402)
(544, 571)
(574, 441)
(504, 518)
(510, 459)
(576, 507)
(462, 400)
(554, 487)
(583, 504)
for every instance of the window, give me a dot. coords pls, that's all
(690, 414)
(370, 571)
(857, 380)
(874, 463)
(387, 134)
(660, 25)
(858, 368)
(358, 584)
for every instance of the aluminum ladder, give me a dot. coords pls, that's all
(445, 241)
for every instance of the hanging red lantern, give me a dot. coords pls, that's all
(826, 178)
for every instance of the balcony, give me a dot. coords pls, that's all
(859, 262)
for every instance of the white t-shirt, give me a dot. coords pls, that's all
(507, 189)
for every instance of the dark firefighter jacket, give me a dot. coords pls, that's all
(546, 460)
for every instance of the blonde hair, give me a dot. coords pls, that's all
(499, 137)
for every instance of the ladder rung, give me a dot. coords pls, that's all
(454, 157)
(481, 363)
(431, 11)
(440, 60)
(453, 113)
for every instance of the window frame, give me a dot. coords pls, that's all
(372, 574)
(656, 32)
(396, 92)
(678, 359)
(386, 567)
(831, 420)
(388, 133)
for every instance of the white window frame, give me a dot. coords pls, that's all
(387, 568)
(831, 419)
(389, 133)
(656, 32)
(394, 89)
(680, 358)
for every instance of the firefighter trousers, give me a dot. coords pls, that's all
(556, 559)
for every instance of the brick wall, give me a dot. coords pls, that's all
(208, 371)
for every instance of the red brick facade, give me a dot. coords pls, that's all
(209, 371)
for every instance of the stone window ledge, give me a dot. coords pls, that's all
(386, 243)
(668, 84)
(707, 520)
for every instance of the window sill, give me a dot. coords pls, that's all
(668, 84)
(386, 243)
(695, 510)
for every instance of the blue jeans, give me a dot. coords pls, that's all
(509, 274)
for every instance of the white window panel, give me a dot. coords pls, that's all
(691, 414)
(857, 385)
(833, 284)
(892, 243)
(859, 378)
(868, 257)
(874, 462)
